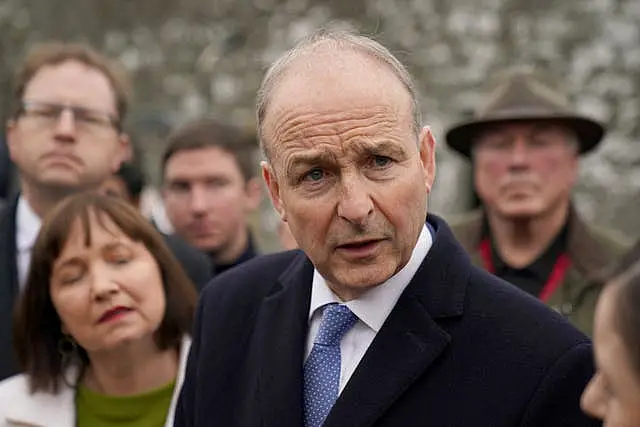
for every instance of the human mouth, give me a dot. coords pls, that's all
(62, 158)
(359, 249)
(114, 314)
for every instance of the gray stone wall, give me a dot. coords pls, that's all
(191, 57)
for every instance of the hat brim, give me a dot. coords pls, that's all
(589, 132)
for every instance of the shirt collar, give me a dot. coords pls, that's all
(541, 267)
(373, 307)
(27, 224)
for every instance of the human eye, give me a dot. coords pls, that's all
(89, 117)
(314, 175)
(46, 111)
(119, 255)
(70, 274)
(381, 162)
(179, 187)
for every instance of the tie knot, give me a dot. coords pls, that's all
(337, 319)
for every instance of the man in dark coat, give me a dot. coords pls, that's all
(380, 319)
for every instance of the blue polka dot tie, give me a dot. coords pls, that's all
(322, 368)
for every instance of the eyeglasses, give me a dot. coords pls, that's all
(86, 119)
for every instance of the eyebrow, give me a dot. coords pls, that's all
(77, 258)
(327, 157)
(381, 148)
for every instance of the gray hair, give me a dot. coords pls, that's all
(340, 40)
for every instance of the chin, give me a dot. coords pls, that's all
(520, 210)
(62, 185)
(358, 279)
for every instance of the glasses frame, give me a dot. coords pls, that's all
(80, 114)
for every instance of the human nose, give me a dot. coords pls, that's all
(103, 285)
(519, 152)
(355, 204)
(198, 200)
(591, 400)
(65, 128)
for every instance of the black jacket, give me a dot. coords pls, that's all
(460, 348)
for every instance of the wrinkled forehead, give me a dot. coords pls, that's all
(327, 83)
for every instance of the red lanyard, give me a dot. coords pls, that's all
(555, 278)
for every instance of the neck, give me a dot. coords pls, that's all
(233, 251)
(133, 369)
(521, 241)
(42, 201)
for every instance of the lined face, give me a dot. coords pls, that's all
(613, 395)
(65, 137)
(525, 169)
(207, 198)
(347, 171)
(108, 293)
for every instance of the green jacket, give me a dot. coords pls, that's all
(590, 250)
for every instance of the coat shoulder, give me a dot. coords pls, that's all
(611, 241)
(529, 322)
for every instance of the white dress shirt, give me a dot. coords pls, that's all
(27, 227)
(372, 309)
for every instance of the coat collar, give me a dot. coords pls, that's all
(587, 254)
(411, 337)
(44, 409)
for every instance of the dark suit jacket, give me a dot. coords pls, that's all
(460, 348)
(195, 263)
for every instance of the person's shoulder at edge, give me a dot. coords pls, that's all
(611, 239)
(196, 263)
(15, 390)
(521, 318)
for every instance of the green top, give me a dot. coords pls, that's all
(143, 410)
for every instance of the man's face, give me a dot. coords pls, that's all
(207, 198)
(346, 170)
(65, 138)
(524, 170)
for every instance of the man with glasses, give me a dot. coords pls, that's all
(524, 145)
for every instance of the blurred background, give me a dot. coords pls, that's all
(197, 57)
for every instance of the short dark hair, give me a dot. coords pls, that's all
(210, 133)
(55, 53)
(625, 274)
(133, 177)
(37, 326)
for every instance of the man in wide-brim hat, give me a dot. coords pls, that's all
(524, 144)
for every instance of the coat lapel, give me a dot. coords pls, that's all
(411, 340)
(8, 285)
(281, 333)
(8, 253)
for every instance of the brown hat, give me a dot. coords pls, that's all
(523, 95)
